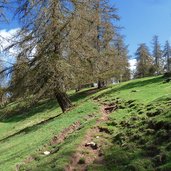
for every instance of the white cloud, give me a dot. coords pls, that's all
(132, 63)
(6, 37)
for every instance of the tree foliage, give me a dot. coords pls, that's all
(64, 44)
(122, 70)
(167, 55)
(157, 54)
(145, 65)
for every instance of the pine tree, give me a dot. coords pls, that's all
(144, 62)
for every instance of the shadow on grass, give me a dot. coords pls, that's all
(19, 113)
(31, 128)
(83, 95)
(22, 112)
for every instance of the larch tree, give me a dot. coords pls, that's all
(62, 44)
(144, 62)
(167, 55)
(105, 31)
(3, 18)
(82, 54)
(53, 35)
(157, 55)
(44, 42)
(122, 71)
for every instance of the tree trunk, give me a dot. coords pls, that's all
(63, 100)
(101, 84)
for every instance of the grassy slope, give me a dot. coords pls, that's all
(141, 128)
(16, 148)
(139, 100)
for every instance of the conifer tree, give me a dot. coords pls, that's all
(121, 59)
(167, 55)
(105, 32)
(55, 36)
(157, 54)
(144, 62)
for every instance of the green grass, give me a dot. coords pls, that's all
(141, 128)
(140, 125)
(17, 148)
(148, 89)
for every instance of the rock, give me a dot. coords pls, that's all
(92, 144)
(46, 153)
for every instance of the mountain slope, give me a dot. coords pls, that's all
(129, 124)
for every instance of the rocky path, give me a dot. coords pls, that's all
(90, 150)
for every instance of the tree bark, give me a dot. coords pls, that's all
(63, 100)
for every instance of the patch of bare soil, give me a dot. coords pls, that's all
(65, 133)
(89, 152)
(58, 139)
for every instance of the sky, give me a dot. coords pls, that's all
(142, 19)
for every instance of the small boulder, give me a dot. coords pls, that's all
(46, 153)
(92, 144)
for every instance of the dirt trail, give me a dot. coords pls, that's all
(89, 152)
(57, 139)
